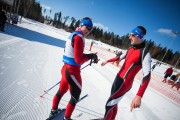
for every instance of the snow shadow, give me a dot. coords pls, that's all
(33, 35)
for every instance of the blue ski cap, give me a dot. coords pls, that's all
(86, 22)
(138, 32)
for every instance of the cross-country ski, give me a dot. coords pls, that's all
(59, 115)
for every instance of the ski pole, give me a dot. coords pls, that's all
(82, 98)
(89, 64)
(46, 91)
(86, 66)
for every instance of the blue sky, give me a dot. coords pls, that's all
(159, 17)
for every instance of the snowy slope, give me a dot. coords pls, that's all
(30, 62)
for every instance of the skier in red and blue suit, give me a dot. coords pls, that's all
(136, 57)
(73, 58)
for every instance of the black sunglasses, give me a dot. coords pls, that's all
(89, 28)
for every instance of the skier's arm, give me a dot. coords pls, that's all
(146, 68)
(79, 56)
(119, 57)
(114, 59)
(110, 60)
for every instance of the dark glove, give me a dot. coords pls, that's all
(93, 57)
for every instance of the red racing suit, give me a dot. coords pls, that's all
(136, 57)
(71, 78)
(169, 71)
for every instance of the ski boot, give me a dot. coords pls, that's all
(53, 113)
(67, 118)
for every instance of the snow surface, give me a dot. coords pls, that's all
(31, 60)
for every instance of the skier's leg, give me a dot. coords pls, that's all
(63, 87)
(114, 112)
(90, 48)
(116, 95)
(177, 85)
(75, 83)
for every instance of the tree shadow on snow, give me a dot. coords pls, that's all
(33, 35)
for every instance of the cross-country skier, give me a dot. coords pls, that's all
(167, 73)
(73, 58)
(92, 42)
(136, 57)
(118, 54)
(3, 19)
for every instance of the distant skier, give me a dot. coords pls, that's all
(3, 19)
(118, 54)
(172, 79)
(92, 42)
(153, 67)
(167, 73)
(176, 83)
(136, 57)
(73, 58)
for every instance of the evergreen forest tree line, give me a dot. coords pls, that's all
(33, 10)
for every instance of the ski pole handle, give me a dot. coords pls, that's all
(89, 64)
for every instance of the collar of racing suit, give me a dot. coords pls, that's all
(138, 46)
